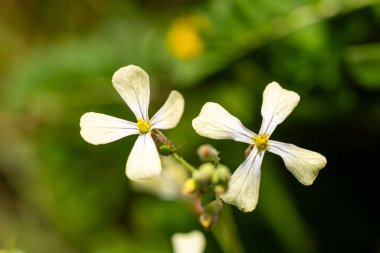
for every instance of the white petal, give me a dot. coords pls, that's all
(243, 187)
(132, 83)
(302, 163)
(216, 123)
(170, 113)
(143, 161)
(168, 184)
(97, 128)
(193, 242)
(278, 103)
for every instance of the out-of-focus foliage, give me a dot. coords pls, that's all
(60, 194)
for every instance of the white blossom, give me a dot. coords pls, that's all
(192, 242)
(168, 184)
(216, 123)
(132, 84)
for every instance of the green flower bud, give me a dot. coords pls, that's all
(220, 175)
(215, 177)
(203, 174)
(210, 214)
(224, 173)
(220, 189)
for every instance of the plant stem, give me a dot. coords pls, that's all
(184, 162)
(226, 233)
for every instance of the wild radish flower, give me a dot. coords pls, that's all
(132, 83)
(192, 242)
(216, 123)
(168, 184)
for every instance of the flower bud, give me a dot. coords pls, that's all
(220, 175)
(220, 189)
(189, 187)
(219, 179)
(203, 174)
(223, 173)
(207, 153)
(206, 220)
(210, 213)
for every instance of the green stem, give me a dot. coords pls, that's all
(226, 233)
(184, 162)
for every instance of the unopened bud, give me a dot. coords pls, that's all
(203, 174)
(189, 187)
(206, 220)
(207, 153)
(210, 213)
(223, 173)
(220, 189)
(220, 175)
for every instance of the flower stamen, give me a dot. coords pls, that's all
(261, 141)
(143, 126)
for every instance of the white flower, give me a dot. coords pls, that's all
(168, 184)
(192, 242)
(132, 83)
(215, 122)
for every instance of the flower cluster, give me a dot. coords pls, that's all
(211, 178)
(206, 184)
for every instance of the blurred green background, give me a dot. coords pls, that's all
(61, 194)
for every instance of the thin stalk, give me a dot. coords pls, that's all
(184, 162)
(226, 233)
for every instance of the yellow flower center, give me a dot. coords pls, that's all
(143, 125)
(261, 141)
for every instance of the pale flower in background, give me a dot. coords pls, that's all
(192, 242)
(132, 83)
(168, 184)
(216, 123)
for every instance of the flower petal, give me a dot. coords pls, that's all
(193, 242)
(168, 184)
(170, 113)
(278, 103)
(97, 128)
(302, 163)
(244, 185)
(216, 123)
(143, 161)
(132, 83)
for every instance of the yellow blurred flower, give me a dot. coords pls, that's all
(183, 38)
